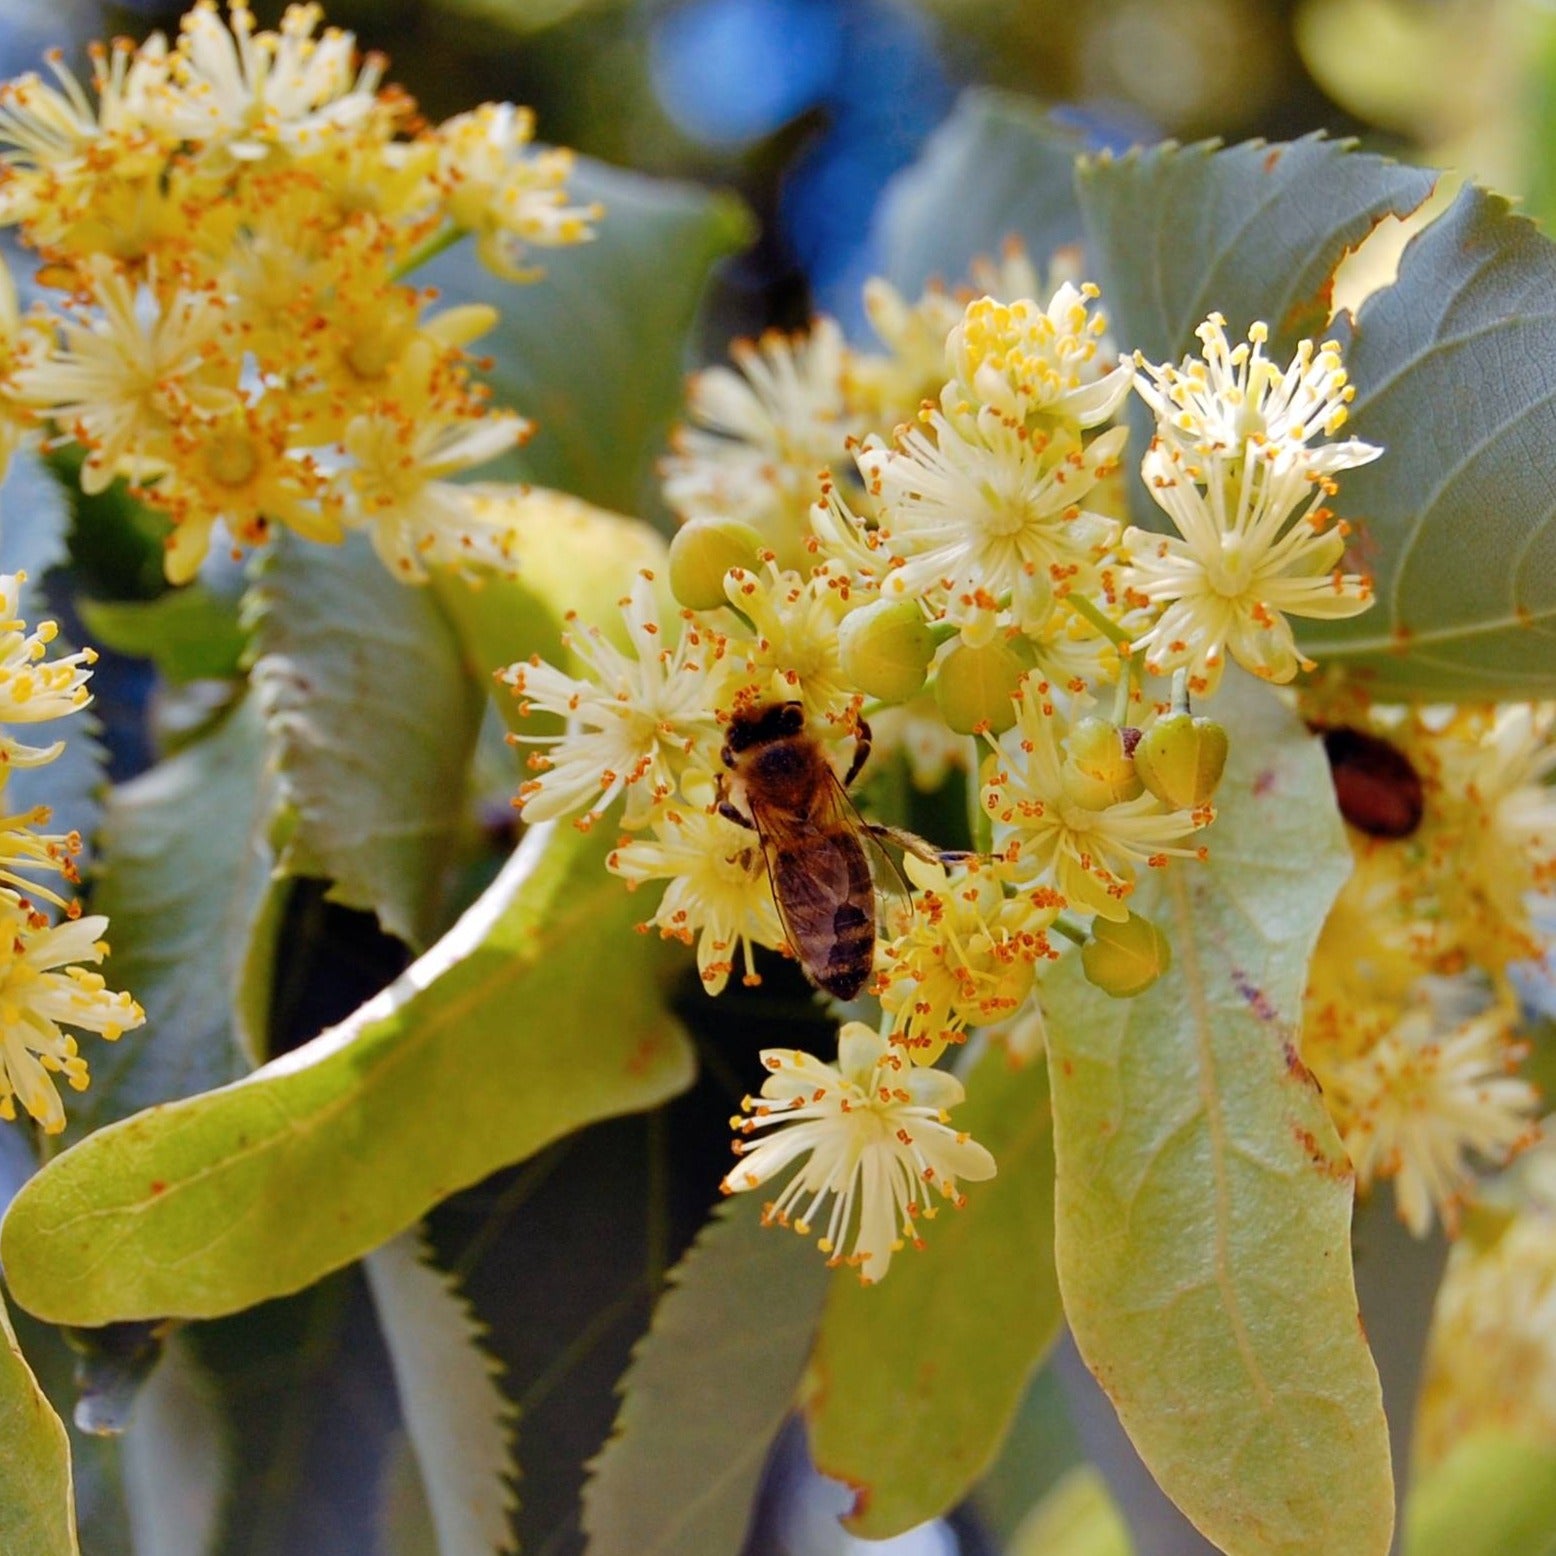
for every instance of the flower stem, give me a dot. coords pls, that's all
(444, 238)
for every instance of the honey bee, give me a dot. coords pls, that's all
(782, 787)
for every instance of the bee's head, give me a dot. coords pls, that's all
(760, 725)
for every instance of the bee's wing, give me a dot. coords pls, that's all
(825, 896)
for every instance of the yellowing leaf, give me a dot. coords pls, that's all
(1203, 1203)
(37, 1505)
(918, 1379)
(478, 1055)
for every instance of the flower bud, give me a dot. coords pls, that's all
(1097, 769)
(885, 648)
(702, 552)
(1180, 759)
(974, 686)
(1125, 959)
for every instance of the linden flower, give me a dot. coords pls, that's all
(125, 375)
(718, 894)
(509, 195)
(967, 956)
(634, 721)
(1425, 1096)
(762, 434)
(1235, 399)
(1019, 359)
(425, 427)
(236, 471)
(1492, 1362)
(25, 851)
(253, 90)
(794, 654)
(973, 518)
(873, 1134)
(1049, 839)
(41, 990)
(33, 689)
(59, 150)
(1243, 559)
(1508, 808)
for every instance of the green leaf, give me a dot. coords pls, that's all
(918, 1379)
(373, 721)
(37, 1503)
(102, 1513)
(996, 168)
(34, 515)
(305, 1402)
(1491, 1496)
(1076, 1518)
(594, 353)
(1252, 232)
(571, 557)
(1457, 518)
(1203, 1198)
(176, 1457)
(457, 1419)
(707, 1391)
(1040, 1449)
(479, 1054)
(189, 633)
(183, 868)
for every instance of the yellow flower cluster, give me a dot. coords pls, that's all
(225, 222)
(42, 986)
(1411, 1013)
(959, 586)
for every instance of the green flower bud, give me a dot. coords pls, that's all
(1180, 760)
(885, 648)
(1097, 769)
(700, 555)
(1125, 959)
(974, 686)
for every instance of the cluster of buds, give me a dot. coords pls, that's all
(925, 547)
(223, 225)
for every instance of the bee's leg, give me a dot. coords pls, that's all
(728, 811)
(861, 752)
(920, 848)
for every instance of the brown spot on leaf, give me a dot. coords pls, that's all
(157, 1186)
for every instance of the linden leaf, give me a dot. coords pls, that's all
(917, 1380)
(1458, 519)
(189, 634)
(995, 169)
(305, 1405)
(1255, 231)
(572, 558)
(183, 866)
(594, 351)
(37, 1501)
(1203, 1198)
(456, 1416)
(373, 721)
(708, 1388)
(473, 1057)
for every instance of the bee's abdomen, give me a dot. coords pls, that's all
(828, 902)
(852, 954)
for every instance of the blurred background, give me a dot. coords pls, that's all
(807, 107)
